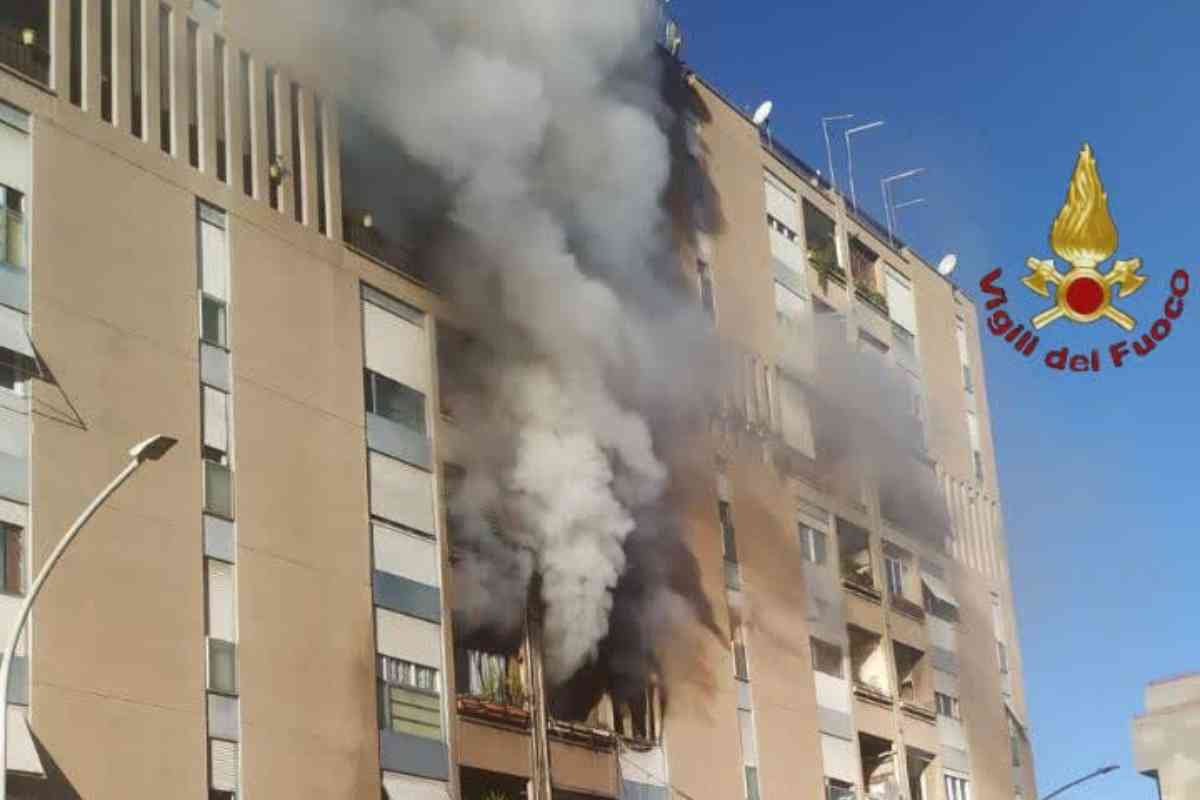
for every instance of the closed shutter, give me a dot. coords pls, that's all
(216, 419)
(407, 787)
(973, 430)
(396, 348)
(13, 333)
(223, 763)
(222, 623)
(839, 759)
(14, 433)
(214, 260)
(401, 494)
(781, 202)
(749, 748)
(407, 555)
(408, 638)
(901, 305)
(15, 157)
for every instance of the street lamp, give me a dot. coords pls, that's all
(850, 156)
(1088, 777)
(150, 450)
(885, 187)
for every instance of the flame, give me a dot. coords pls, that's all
(1083, 233)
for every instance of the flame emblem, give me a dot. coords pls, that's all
(1084, 235)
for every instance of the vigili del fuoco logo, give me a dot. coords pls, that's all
(1085, 237)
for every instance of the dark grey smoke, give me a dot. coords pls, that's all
(539, 130)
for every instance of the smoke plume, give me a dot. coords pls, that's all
(537, 137)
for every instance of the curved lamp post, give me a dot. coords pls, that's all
(1077, 781)
(150, 450)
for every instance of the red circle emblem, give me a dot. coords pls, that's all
(1085, 296)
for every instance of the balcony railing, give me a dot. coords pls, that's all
(921, 711)
(31, 60)
(861, 583)
(907, 607)
(874, 694)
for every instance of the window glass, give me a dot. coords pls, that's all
(11, 560)
(827, 658)
(395, 401)
(212, 321)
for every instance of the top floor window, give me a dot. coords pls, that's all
(25, 38)
(12, 227)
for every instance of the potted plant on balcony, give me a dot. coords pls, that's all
(871, 295)
(823, 259)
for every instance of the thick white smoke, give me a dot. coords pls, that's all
(542, 121)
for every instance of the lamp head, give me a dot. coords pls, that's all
(152, 449)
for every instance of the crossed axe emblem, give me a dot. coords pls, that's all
(1085, 281)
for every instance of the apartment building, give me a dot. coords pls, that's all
(189, 247)
(1165, 746)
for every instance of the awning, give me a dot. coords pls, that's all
(22, 754)
(13, 333)
(938, 589)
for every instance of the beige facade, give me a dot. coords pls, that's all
(266, 612)
(1166, 738)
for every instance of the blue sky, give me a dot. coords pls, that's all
(1096, 471)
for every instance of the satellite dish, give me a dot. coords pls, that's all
(763, 113)
(947, 264)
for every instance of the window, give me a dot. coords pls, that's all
(827, 658)
(977, 457)
(838, 790)
(395, 401)
(218, 488)
(741, 668)
(1002, 652)
(409, 699)
(707, 299)
(895, 575)
(968, 381)
(222, 666)
(166, 77)
(11, 560)
(781, 229)
(957, 788)
(213, 321)
(751, 783)
(947, 706)
(1014, 737)
(727, 533)
(813, 545)
(12, 227)
(14, 370)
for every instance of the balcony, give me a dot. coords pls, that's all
(907, 607)
(919, 711)
(872, 694)
(491, 687)
(22, 48)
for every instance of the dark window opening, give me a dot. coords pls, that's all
(135, 68)
(77, 52)
(193, 90)
(728, 537)
(12, 560)
(272, 136)
(247, 126)
(319, 143)
(219, 102)
(166, 53)
(25, 38)
(827, 658)
(298, 187)
(395, 401)
(107, 90)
